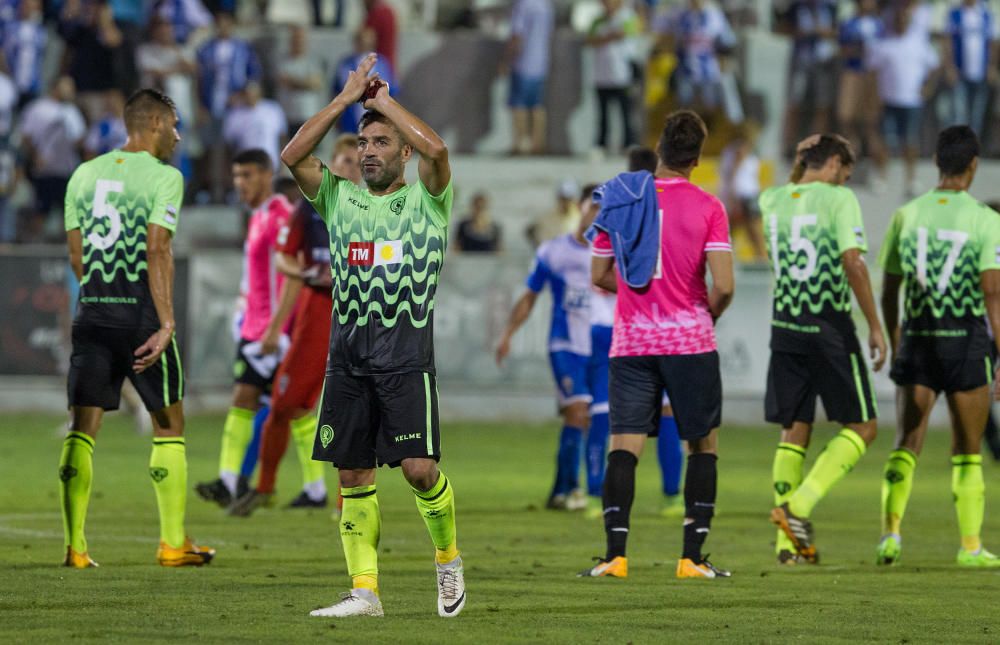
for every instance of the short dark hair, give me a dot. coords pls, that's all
(143, 104)
(588, 190)
(680, 143)
(829, 145)
(957, 146)
(255, 156)
(371, 116)
(286, 186)
(641, 158)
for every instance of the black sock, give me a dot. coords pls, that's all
(699, 499)
(619, 491)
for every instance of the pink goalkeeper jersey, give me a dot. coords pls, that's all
(670, 316)
(263, 280)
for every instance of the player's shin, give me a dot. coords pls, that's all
(619, 491)
(437, 507)
(168, 470)
(76, 472)
(360, 528)
(597, 447)
(897, 482)
(699, 500)
(837, 459)
(304, 435)
(236, 436)
(970, 497)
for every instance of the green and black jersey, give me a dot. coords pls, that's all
(386, 254)
(940, 243)
(112, 199)
(808, 228)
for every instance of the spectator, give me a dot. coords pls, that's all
(300, 79)
(8, 167)
(381, 18)
(109, 132)
(256, 122)
(477, 232)
(93, 41)
(24, 48)
(740, 188)
(226, 65)
(52, 129)
(857, 99)
(696, 33)
(611, 36)
(527, 57)
(168, 67)
(364, 43)
(813, 74)
(560, 221)
(971, 62)
(8, 12)
(642, 158)
(129, 17)
(902, 63)
(188, 18)
(344, 160)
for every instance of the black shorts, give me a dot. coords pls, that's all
(919, 366)
(692, 382)
(840, 379)
(102, 359)
(250, 369)
(369, 421)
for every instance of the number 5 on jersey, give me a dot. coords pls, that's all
(104, 209)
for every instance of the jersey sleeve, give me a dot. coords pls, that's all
(989, 252)
(540, 272)
(167, 207)
(602, 247)
(281, 212)
(71, 217)
(850, 229)
(439, 206)
(325, 200)
(291, 237)
(718, 230)
(888, 257)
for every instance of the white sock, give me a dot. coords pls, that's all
(315, 490)
(229, 479)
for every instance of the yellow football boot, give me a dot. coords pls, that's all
(76, 560)
(187, 555)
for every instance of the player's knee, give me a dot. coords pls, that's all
(421, 474)
(355, 478)
(577, 415)
(867, 430)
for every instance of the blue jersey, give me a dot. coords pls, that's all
(564, 265)
(855, 34)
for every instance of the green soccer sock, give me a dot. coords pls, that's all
(897, 482)
(76, 472)
(437, 506)
(236, 436)
(168, 470)
(304, 435)
(360, 527)
(786, 473)
(970, 498)
(836, 460)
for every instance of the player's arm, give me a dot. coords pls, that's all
(306, 168)
(602, 273)
(518, 315)
(720, 265)
(160, 270)
(290, 290)
(434, 169)
(74, 241)
(990, 284)
(857, 276)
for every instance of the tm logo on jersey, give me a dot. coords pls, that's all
(367, 254)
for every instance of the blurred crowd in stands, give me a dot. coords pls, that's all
(887, 73)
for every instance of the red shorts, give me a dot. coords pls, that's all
(299, 379)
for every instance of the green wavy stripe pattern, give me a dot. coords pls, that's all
(127, 256)
(826, 289)
(386, 293)
(962, 297)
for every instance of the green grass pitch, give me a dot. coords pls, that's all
(520, 561)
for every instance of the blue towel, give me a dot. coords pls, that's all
(629, 215)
